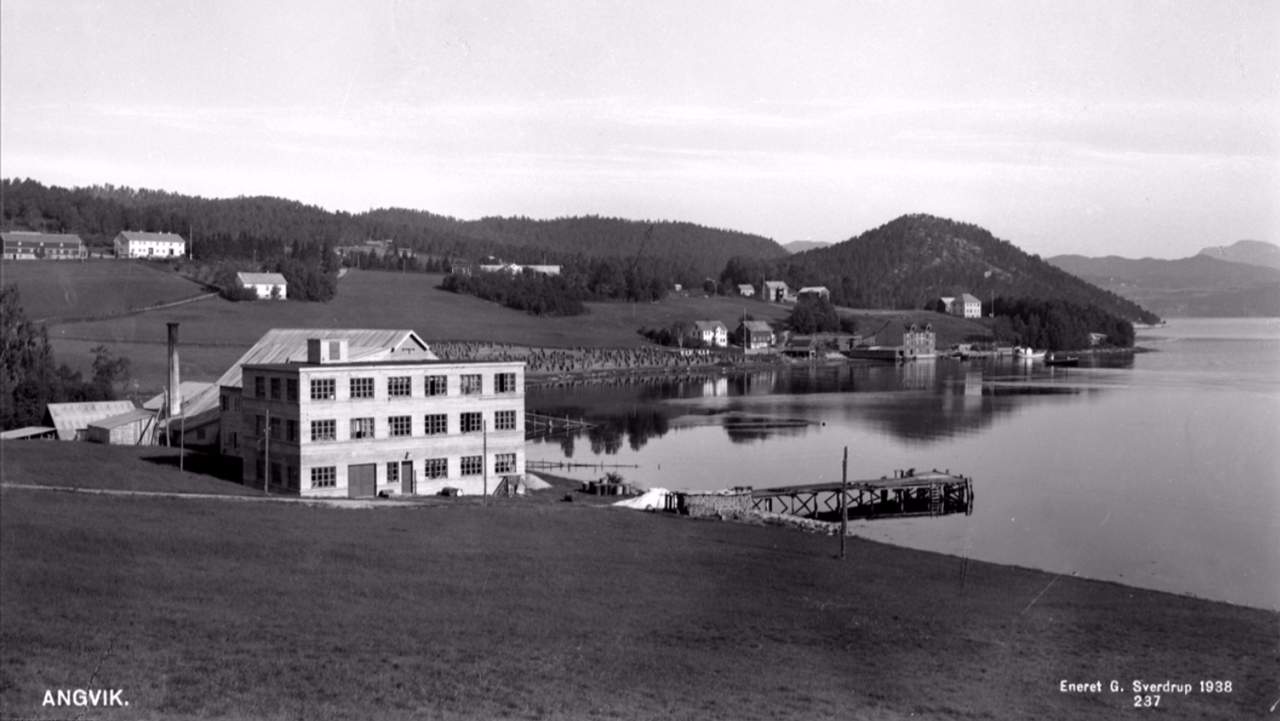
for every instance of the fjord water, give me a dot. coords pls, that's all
(1158, 469)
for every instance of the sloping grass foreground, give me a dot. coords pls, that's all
(203, 609)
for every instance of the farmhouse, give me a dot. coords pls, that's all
(966, 306)
(517, 269)
(266, 285)
(333, 426)
(746, 290)
(776, 291)
(815, 292)
(23, 245)
(140, 244)
(711, 332)
(755, 334)
(284, 345)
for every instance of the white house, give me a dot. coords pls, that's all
(266, 285)
(814, 291)
(139, 244)
(746, 290)
(517, 269)
(330, 425)
(966, 306)
(712, 332)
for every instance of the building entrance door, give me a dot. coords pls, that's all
(362, 480)
(406, 478)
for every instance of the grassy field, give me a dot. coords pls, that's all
(94, 288)
(541, 610)
(215, 332)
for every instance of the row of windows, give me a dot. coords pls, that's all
(433, 424)
(432, 468)
(325, 389)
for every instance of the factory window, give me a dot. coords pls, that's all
(400, 386)
(472, 422)
(400, 426)
(361, 428)
(291, 473)
(326, 430)
(472, 465)
(324, 477)
(393, 472)
(275, 428)
(436, 424)
(361, 387)
(504, 463)
(435, 468)
(224, 403)
(259, 387)
(471, 384)
(504, 383)
(322, 389)
(437, 385)
(291, 431)
(275, 389)
(504, 421)
(291, 386)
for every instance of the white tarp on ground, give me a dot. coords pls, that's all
(653, 499)
(533, 483)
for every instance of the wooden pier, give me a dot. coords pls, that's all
(907, 493)
(540, 425)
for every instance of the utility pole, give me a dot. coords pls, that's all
(844, 500)
(266, 465)
(484, 456)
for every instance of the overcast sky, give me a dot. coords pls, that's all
(1134, 128)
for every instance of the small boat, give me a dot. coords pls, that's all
(1062, 359)
(1028, 354)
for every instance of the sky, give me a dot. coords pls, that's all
(1116, 127)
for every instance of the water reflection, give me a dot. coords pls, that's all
(921, 401)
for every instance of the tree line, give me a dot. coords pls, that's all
(29, 377)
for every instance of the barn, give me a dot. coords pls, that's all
(136, 427)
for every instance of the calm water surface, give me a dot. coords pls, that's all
(1159, 469)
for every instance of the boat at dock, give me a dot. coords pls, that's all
(1028, 354)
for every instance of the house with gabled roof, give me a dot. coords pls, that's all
(27, 245)
(711, 332)
(271, 286)
(141, 244)
(755, 335)
(776, 291)
(966, 306)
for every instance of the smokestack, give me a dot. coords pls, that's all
(175, 394)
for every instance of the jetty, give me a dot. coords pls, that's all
(907, 493)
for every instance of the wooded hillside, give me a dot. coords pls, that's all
(257, 227)
(915, 259)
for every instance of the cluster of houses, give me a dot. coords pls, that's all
(333, 413)
(777, 291)
(28, 245)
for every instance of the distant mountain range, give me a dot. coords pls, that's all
(1251, 252)
(800, 246)
(1238, 280)
(915, 259)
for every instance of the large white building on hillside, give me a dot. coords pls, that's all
(330, 425)
(140, 244)
(26, 245)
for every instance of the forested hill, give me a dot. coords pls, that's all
(915, 259)
(263, 225)
(700, 250)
